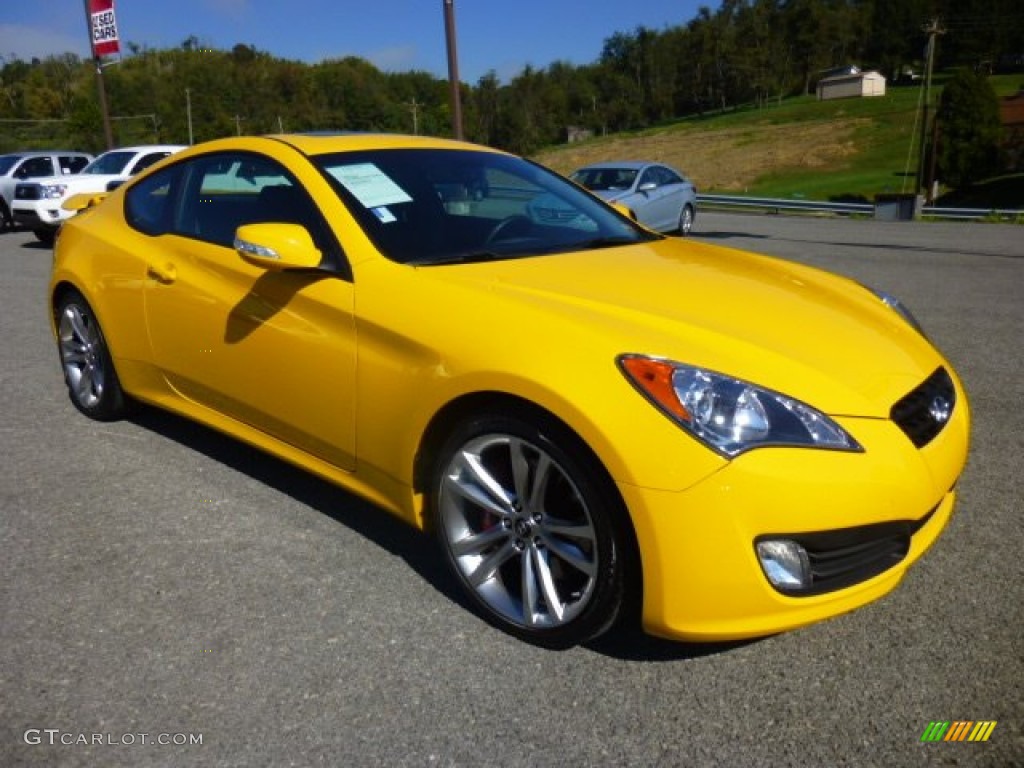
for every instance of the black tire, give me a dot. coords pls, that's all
(45, 236)
(686, 218)
(530, 525)
(89, 372)
(6, 220)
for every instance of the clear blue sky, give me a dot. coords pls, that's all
(395, 35)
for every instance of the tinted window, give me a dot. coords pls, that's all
(605, 178)
(7, 162)
(650, 176)
(668, 176)
(72, 163)
(444, 206)
(149, 205)
(110, 163)
(147, 160)
(35, 168)
(221, 192)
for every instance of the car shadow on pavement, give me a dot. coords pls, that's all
(704, 235)
(363, 517)
(625, 641)
(628, 642)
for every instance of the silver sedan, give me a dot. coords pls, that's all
(659, 197)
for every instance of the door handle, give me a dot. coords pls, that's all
(165, 274)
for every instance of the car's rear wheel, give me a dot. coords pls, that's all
(686, 220)
(89, 372)
(6, 220)
(528, 524)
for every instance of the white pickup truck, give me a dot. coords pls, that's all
(37, 204)
(27, 166)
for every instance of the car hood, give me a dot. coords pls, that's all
(807, 333)
(77, 183)
(611, 195)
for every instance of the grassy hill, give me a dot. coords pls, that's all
(803, 148)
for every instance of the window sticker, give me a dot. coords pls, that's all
(370, 185)
(382, 213)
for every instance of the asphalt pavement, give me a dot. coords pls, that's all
(161, 583)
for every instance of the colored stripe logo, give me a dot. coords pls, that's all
(958, 730)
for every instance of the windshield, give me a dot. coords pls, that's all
(604, 179)
(110, 163)
(436, 206)
(7, 162)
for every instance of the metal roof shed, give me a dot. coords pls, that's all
(851, 86)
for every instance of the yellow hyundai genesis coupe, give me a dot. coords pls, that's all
(590, 417)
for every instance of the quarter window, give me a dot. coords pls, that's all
(149, 204)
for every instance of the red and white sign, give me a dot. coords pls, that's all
(103, 28)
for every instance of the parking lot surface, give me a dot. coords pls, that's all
(161, 583)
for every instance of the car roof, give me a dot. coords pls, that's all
(627, 165)
(149, 148)
(46, 153)
(321, 143)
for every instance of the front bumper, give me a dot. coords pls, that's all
(702, 578)
(40, 217)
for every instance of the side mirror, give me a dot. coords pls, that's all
(647, 186)
(83, 200)
(277, 247)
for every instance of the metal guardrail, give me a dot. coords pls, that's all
(779, 205)
(784, 204)
(972, 213)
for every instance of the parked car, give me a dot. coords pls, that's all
(658, 196)
(19, 166)
(38, 204)
(589, 418)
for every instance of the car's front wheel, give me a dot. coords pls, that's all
(530, 526)
(89, 372)
(45, 236)
(686, 217)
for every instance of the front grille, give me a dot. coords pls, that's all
(27, 192)
(923, 412)
(849, 556)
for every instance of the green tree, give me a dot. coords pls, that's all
(969, 130)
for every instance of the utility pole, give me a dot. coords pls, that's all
(453, 68)
(108, 132)
(414, 107)
(932, 29)
(188, 113)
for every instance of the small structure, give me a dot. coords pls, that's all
(574, 133)
(851, 85)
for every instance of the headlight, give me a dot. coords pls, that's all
(730, 415)
(53, 191)
(899, 308)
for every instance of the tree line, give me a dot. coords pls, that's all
(745, 52)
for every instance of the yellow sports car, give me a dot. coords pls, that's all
(591, 417)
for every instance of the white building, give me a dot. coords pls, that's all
(852, 85)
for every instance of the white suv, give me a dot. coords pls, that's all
(21, 166)
(37, 204)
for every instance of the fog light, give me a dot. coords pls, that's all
(785, 563)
